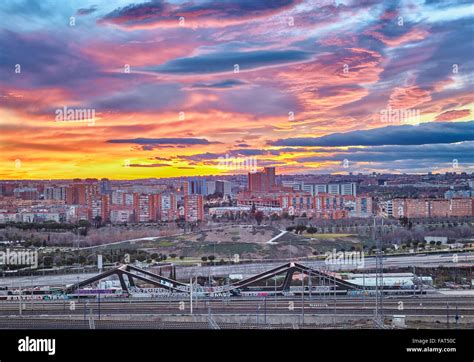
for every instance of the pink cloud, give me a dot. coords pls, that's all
(452, 115)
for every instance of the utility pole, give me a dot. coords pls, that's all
(447, 315)
(379, 317)
(31, 284)
(258, 310)
(456, 318)
(335, 298)
(265, 306)
(191, 295)
(363, 282)
(19, 302)
(99, 304)
(414, 281)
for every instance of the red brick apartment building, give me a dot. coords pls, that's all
(419, 208)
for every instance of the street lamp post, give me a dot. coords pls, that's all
(447, 315)
(302, 297)
(191, 295)
(335, 299)
(214, 263)
(258, 310)
(290, 250)
(99, 304)
(265, 314)
(276, 299)
(310, 286)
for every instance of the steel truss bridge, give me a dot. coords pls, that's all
(134, 274)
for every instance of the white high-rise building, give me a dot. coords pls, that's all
(295, 185)
(334, 189)
(320, 189)
(349, 189)
(308, 188)
(55, 193)
(224, 187)
(211, 187)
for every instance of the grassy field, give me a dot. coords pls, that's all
(247, 242)
(329, 236)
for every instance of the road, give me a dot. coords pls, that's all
(184, 273)
(449, 259)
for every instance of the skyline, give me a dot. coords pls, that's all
(387, 87)
(230, 175)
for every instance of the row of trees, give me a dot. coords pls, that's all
(299, 229)
(211, 258)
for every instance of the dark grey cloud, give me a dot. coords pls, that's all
(228, 83)
(434, 153)
(46, 60)
(142, 98)
(253, 152)
(231, 153)
(86, 11)
(425, 133)
(450, 50)
(225, 61)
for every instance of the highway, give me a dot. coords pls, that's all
(184, 273)
(426, 260)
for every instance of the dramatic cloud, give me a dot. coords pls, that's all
(427, 133)
(229, 83)
(216, 13)
(463, 152)
(176, 84)
(230, 153)
(226, 62)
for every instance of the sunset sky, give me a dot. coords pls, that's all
(301, 85)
